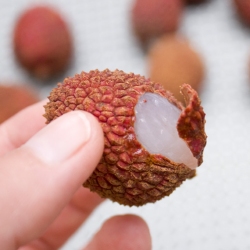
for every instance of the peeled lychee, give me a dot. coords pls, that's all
(42, 42)
(153, 18)
(152, 142)
(13, 99)
(243, 9)
(172, 61)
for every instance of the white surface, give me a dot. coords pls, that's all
(212, 210)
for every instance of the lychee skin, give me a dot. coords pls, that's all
(127, 173)
(42, 42)
(13, 99)
(243, 9)
(154, 18)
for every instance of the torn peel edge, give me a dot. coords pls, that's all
(191, 123)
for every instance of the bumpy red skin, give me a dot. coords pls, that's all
(13, 99)
(191, 122)
(243, 9)
(42, 42)
(127, 173)
(153, 18)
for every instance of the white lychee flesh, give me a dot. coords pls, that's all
(156, 129)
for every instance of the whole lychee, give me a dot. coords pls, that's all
(172, 61)
(243, 9)
(152, 142)
(42, 42)
(153, 18)
(13, 99)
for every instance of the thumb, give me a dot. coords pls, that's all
(38, 179)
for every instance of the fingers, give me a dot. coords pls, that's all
(72, 216)
(76, 212)
(128, 232)
(18, 129)
(38, 179)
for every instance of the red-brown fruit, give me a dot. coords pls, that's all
(243, 9)
(153, 18)
(13, 99)
(127, 172)
(172, 62)
(42, 42)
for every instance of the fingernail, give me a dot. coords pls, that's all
(60, 139)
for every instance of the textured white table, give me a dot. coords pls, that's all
(212, 210)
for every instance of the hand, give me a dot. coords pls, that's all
(42, 169)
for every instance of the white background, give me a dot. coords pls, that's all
(212, 210)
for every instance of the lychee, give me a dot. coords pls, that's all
(172, 61)
(243, 9)
(13, 99)
(42, 42)
(152, 142)
(153, 18)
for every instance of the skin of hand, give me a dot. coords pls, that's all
(42, 169)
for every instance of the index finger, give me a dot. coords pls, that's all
(82, 204)
(18, 129)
